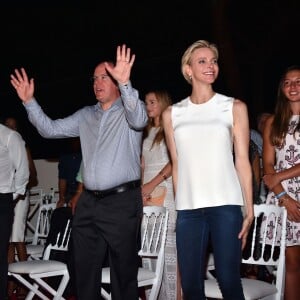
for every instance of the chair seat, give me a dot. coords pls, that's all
(36, 266)
(253, 289)
(143, 274)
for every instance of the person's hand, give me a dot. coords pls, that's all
(245, 230)
(73, 202)
(147, 189)
(292, 208)
(60, 202)
(124, 62)
(271, 180)
(23, 86)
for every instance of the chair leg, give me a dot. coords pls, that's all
(105, 294)
(61, 288)
(22, 256)
(33, 288)
(11, 285)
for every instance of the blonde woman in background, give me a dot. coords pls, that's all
(156, 171)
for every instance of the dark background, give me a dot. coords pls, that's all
(60, 42)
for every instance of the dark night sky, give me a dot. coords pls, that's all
(60, 42)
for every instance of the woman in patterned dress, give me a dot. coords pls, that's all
(156, 169)
(281, 161)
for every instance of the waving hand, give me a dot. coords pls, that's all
(23, 86)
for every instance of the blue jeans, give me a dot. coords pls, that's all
(194, 228)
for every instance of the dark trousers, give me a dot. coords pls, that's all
(6, 221)
(108, 224)
(194, 227)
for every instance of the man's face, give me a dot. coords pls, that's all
(105, 89)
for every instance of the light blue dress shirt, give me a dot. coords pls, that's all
(110, 139)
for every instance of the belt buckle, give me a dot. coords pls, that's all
(98, 194)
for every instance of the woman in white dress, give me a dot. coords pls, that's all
(281, 161)
(156, 171)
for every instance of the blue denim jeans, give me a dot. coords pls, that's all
(194, 228)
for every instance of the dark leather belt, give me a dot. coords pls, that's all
(116, 190)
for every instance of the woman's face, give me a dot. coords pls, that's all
(203, 66)
(291, 85)
(153, 106)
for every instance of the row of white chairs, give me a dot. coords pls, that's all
(153, 237)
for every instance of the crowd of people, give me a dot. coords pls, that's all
(198, 157)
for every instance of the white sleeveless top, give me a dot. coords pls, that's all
(204, 143)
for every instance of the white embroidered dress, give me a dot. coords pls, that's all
(155, 159)
(286, 157)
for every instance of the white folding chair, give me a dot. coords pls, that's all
(40, 270)
(36, 248)
(54, 193)
(267, 249)
(153, 239)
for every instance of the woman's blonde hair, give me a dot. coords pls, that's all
(186, 58)
(164, 100)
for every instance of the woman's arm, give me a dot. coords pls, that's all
(169, 134)
(241, 136)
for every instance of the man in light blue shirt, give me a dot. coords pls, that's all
(109, 209)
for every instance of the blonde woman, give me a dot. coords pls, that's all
(211, 183)
(156, 170)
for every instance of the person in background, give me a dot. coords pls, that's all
(281, 161)
(74, 199)
(109, 210)
(68, 167)
(156, 170)
(14, 177)
(17, 243)
(211, 184)
(256, 137)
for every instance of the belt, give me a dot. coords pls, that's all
(116, 190)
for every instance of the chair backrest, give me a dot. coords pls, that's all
(153, 235)
(43, 223)
(35, 200)
(61, 243)
(268, 240)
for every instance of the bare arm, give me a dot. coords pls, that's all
(62, 187)
(169, 134)
(241, 148)
(274, 180)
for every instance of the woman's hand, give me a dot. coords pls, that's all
(245, 230)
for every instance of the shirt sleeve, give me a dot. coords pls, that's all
(79, 174)
(135, 109)
(18, 156)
